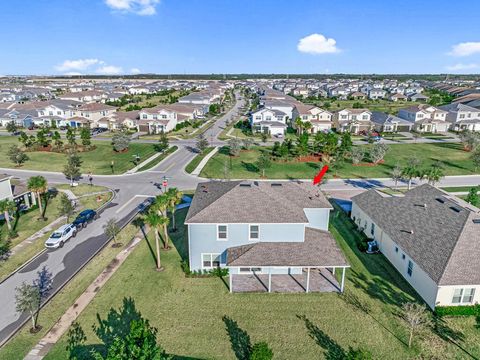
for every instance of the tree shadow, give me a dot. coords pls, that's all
(446, 333)
(179, 238)
(239, 339)
(250, 167)
(333, 351)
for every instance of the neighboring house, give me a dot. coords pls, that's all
(119, 120)
(358, 95)
(377, 94)
(462, 117)
(201, 98)
(264, 231)
(426, 118)
(320, 119)
(418, 97)
(384, 122)
(431, 237)
(273, 122)
(157, 120)
(286, 107)
(353, 120)
(89, 96)
(398, 97)
(94, 112)
(13, 189)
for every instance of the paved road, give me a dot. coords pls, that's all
(130, 191)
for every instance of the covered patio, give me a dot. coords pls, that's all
(290, 267)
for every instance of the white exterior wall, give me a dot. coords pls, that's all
(445, 294)
(419, 280)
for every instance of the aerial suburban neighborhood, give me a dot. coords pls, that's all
(191, 181)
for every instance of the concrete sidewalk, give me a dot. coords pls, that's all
(204, 161)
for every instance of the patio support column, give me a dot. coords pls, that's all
(230, 279)
(308, 280)
(333, 271)
(269, 279)
(343, 280)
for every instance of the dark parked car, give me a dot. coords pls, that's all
(85, 217)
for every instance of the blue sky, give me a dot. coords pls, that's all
(239, 36)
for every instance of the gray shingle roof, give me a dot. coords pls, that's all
(254, 202)
(318, 249)
(445, 242)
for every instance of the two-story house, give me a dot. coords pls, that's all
(354, 120)
(272, 236)
(270, 121)
(320, 119)
(377, 94)
(431, 237)
(157, 120)
(425, 118)
(462, 117)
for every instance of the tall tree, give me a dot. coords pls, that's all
(161, 205)
(476, 158)
(435, 173)
(263, 163)
(303, 147)
(346, 143)
(72, 168)
(8, 207)
(174, 198)
(38, 185)
(57, 139)
(411, 171)
(234, 146)
(121, 141)
(153, 220)
(417, 317)
(298, 125)
(11, 127)
(65, 207)
(111, 230)
(16, 155)
(86, 136)
(396, 174)
(71, 136)
(162, 142)
(202, 143)
(473, 197)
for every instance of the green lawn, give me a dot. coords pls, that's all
(456, 161)
(197, 159)
(96, 161)
(188, 311)
(21, 344)
(159, 159)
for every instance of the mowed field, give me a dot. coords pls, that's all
(455, 160)
(97, 161)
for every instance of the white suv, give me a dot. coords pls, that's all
(60, 236)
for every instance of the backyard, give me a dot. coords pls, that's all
(455, 160)
(97, 161)
(188, 312)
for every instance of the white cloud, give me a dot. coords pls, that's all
(135, 71)
(109, 70)
(462, 67)
(139, 7)
(317, 44)
(465, 49)
(80, 64)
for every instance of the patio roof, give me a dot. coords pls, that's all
(318, 250)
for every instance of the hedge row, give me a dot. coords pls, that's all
(464, 310)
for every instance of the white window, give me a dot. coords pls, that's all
(210, 261)
(365, 117)
(144, 116)
(268, 118)
(254, 232)
(463, 296)
(222, 232)
(258, 117)
(164, 116)
(410, 268)
(462, 116)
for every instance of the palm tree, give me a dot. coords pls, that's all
(161, 204)
(153, 220)
(38, 185)
(175, 198)
(434, 174)
(7, 206)
(164, 221)
(299, 125)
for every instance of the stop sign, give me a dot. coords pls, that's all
(165, 183)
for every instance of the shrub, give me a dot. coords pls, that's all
(464, 310)
(261, 351)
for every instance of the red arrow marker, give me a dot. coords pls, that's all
(318, 178)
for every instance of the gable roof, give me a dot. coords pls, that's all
(254, 202)
(445, 241)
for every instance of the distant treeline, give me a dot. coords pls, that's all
(400, 77)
